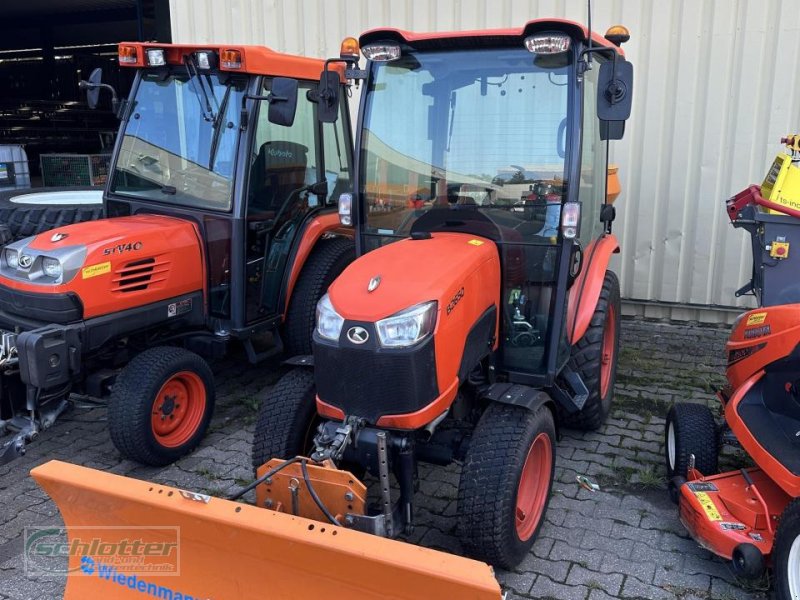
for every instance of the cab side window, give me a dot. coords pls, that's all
(284, 161)
(594, 161)
(336, 145)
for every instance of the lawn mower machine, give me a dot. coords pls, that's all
(219, 225)
(751, 516)
(470, 328)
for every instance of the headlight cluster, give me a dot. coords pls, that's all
(329, 322)
(12, 258)
(50, 267)
(407, 327)
(401, 330)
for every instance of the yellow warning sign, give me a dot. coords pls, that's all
(95, 270)
(708, 506)
(756, 318)
(476, 242)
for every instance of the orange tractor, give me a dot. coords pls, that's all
(220, 226)
(751, 516)
(470, 327)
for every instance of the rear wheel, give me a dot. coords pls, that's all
(505, 483)
(690, 430)
(594, 358)
(786, 554)
(326, 261)
(287, 418)
(161, 405)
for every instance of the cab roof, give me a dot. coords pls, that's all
(256, 60)
(484, 37)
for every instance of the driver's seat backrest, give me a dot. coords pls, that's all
(279, 169)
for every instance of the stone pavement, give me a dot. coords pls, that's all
(624, 541)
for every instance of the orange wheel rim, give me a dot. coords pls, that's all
(607, 356)
(534, 486)
(178, 409)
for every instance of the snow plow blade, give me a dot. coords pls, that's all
(230, 550)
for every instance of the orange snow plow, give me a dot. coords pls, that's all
(231, 550)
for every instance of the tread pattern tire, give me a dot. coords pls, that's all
(24, 220)
(586, 360)
(487, 491)
(787, 532)
(285, 417)
(695, 433)
(131, 404)
(327, 260)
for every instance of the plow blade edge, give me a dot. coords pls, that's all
(231, 550)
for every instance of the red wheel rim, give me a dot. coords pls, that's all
(607, 356)
(534, 486)
(178, 409)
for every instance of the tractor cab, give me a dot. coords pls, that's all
(503, 137)
(228, 138)
(220, 226)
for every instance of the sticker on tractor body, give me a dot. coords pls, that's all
(733, 526)
(475, 242)
(756, 319)
(95, 270)
(708, 506)
(178, 308)
(702, 486)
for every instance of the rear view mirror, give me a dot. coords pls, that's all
(92, 89)
(328, 105)
(283, 101)
(615, 90)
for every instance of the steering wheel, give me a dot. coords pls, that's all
(561, 140)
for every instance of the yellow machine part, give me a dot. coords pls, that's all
(782, 183)
(228, 550)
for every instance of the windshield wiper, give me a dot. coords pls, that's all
(205, 109)
(222, 109)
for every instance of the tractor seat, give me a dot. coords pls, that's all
(772, 416)
(278, 170)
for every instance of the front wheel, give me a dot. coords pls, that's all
(286, 419)
(505, 483)
(161, 405)
(786, 554)
(690, 430)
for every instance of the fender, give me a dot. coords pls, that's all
(319, 225)
(517, 395)
(585, 292)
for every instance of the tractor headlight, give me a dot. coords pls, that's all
(329, 322)
(52, 267)
(407, 327)
(12, 258)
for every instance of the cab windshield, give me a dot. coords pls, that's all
(179, 143)
(466, 131)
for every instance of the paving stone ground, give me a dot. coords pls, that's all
(624, 541)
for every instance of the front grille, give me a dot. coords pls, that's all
(373, 382)
(139, 275)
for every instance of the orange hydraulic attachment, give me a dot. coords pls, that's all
(228, 550)
(287, 492)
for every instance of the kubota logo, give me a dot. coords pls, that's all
(25, 261)
(280, 153)
(357, 335)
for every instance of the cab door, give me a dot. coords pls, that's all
(285, 163)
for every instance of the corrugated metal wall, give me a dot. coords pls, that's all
(717, 85)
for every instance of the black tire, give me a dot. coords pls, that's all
(788, 531)
(489, 485)
(326, 261)
(286, 418)
(133, 402)
(25, 220)
(747, 561)
(587, 358)
(692, 430)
